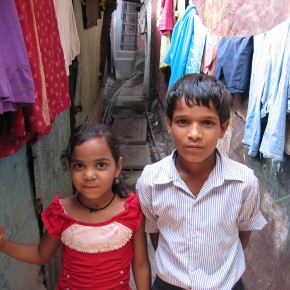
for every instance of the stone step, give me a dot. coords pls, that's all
(136, 156)
(131, 131)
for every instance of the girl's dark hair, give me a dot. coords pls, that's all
(200, 89)
(89, 131)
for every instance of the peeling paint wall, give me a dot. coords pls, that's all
(51, 178)
(18, 215)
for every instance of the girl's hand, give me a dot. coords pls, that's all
(2, 239)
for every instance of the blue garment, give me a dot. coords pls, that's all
(187, 44)
(233, 63)
(268, 94)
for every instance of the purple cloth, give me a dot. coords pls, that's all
(16, 83)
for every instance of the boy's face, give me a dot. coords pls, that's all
(195, 131)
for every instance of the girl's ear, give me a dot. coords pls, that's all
(224, 128)
(119, 166)
(168, 123)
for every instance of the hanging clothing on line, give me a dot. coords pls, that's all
(91, 12)
(268, 94)
(208, 62)
(16, 83)
(165, 23)
(234, 61)
(67, 28)
(42, 41)
(187, 44)
(166, 19)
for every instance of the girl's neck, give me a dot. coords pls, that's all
(94, 209)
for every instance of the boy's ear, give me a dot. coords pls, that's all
(224, 128)
(168, 123)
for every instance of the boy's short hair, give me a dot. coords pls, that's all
(199, 89)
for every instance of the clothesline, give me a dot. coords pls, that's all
(243, 64)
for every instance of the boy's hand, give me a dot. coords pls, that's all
(2, 240)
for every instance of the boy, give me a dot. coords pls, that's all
(200, 207)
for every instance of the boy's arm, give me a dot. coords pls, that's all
(141, 265)
(154, 240)
(39, 254)
(245, 238)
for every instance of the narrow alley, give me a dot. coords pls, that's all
(140, 125)
(64, 63)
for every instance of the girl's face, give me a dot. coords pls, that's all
(93, 170)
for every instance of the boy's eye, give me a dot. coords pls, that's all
(208, 123)
(101, 165)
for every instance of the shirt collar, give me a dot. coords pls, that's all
(224, 169)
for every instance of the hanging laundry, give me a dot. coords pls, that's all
(234, 61)
(91, 11)
(16, 83)
(45, 54)
(208, 62)
(67, 28)
(187, 45)
(165, 23)
(268, 94)
(164, 47)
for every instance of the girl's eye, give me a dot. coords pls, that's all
(77, 166)
(101, 165)
(182, 122)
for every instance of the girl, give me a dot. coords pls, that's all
(101, 227)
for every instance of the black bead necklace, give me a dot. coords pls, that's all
(91, 209)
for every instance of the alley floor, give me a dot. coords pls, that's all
(140, 125)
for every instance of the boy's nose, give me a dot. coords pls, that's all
(194, 132)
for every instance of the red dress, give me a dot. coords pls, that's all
(95, 256)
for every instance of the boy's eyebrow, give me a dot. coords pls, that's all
(210, 116)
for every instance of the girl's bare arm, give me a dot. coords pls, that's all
(39, 254)
(141, 265)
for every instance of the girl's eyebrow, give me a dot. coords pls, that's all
(75, 160)
(95, 160)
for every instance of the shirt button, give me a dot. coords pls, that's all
(68, 276)
(122, 272)
(121, 282)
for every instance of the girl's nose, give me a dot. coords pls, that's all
(90, 174)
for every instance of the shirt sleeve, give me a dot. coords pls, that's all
(144, 191)
(250, 217)
(53, 218)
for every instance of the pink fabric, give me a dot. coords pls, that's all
(208, 62)
(87, 267)
(167, 22)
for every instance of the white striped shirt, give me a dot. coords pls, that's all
(199, 246)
